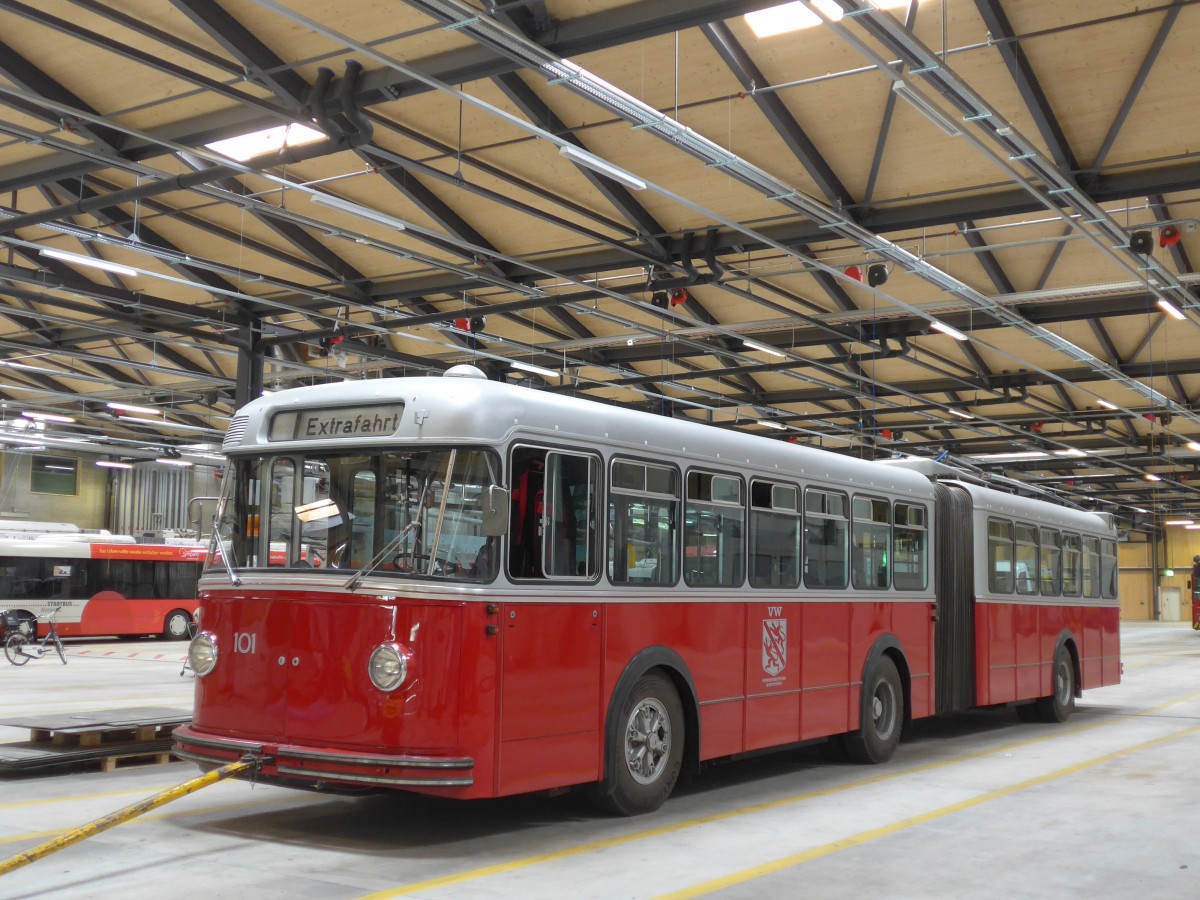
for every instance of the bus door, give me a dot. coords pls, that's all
(550, 643)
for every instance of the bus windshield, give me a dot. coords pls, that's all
(326, 510)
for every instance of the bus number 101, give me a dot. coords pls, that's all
(245, 642)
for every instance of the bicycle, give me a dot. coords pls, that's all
(19, 649)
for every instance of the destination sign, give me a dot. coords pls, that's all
(337, 422)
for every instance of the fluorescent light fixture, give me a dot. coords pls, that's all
(1192, 445)
(536, 370)
(126, 407)
(47, 417)
(354, 209)
(1171, 309)
(1013, 456)
(168, 461)
(789, 17)
(110, 464)
(771, 424)
(1070, 451)
(1150, 476)
(1179, 522)
(1106, 404)
(946, 329)
(596, 164)
(268, 140)
(81, 260)
(923, 105)
(1139, 509)
(763, 348)
(960, 413)
(1192, 527)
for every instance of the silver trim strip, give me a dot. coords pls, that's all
(235, 744)
(409, 762)
(318, 775)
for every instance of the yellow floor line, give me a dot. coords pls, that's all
(591, 846)
(864, 837)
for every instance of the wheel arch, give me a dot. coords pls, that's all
(671, 664)
(890, 646)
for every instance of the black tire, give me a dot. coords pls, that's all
(12, 651)
(882, 714)
(645, 753)
(62, 654)
(1059, 705)
(175, 625)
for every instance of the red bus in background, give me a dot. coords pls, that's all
(473, 589)
(101, 584)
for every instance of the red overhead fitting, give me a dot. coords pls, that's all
(1169, 235)
(854, 272)
(678, 296)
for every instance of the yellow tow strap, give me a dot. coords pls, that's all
(124, 815)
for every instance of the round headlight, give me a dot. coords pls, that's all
(202, 653)
(388, 667)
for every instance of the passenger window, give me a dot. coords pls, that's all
(1070, 565)
(643, 524)
(871, 533)
(825, 544)
(1051, 562)
(1108, 569)
(1091, 567)
(571, 546)
(910, 565)
(1026, 563)
(713, 531)
(1000, 556)
(774, 535)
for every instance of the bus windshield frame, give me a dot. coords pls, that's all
(347, 506)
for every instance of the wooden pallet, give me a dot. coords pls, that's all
(109, 737)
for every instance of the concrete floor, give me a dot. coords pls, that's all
(978, 805)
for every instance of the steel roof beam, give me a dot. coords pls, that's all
(776, 112)
(1007, 43)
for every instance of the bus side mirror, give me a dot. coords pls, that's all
(495, 511)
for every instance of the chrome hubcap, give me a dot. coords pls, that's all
(647, 741)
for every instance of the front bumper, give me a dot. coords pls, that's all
(315, 766)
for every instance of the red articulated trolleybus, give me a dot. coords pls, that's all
(99, 583)
(472, 589)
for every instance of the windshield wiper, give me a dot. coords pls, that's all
(390, 546)
(219, 544)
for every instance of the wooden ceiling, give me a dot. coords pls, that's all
(1022, 172)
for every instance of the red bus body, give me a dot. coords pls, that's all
(516, 685)
(101, 585)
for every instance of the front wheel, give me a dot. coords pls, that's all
(881, 716)
(12, 649)
(1059, 705)
(62, 654)
(175, 626)
(644, 759)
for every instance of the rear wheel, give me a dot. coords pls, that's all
(646, 755)
(1059, 705)
(175, 626)
(882, 714)
(12, 649)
